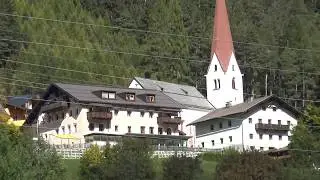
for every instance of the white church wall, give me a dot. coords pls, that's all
(221, 95)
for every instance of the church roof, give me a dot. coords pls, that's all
(185, 95)
(244, 108)
(222, 44)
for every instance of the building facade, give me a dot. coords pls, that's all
(262, 124)
(194, 104)
(73, 114)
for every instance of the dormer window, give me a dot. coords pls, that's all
(150, 98)
(130, 97)
(108, 95)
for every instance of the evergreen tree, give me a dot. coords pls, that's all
(165, 16)
(9, 32)
(279, 39)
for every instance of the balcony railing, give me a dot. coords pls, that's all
(99, 115)
(54, 106)
(169, 120)
(272, 127)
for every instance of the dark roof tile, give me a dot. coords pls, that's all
(186, 95)
(241, 108)
(85, 93)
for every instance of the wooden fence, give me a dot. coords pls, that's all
(76, 152)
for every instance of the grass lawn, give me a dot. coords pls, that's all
(208, 168)
(72, 166)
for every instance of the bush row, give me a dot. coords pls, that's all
(131, 160)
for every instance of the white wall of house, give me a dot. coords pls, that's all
(79, 125)
(205, 135)
(242, 128)
(219, 96)
(188, 116)
(73, 125)
(265, 142)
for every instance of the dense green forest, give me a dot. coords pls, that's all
(110, 41)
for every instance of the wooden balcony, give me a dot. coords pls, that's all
(103, 115)
(169, 120)
(272, 127)
(57, 106)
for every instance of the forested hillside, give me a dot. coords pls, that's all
(110, 41)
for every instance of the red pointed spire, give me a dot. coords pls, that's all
(222, 44)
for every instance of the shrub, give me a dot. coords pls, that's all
(211, 156)
(91, 163)
(246, 166)
(182, 168)
(218, 156)
(22, 158)
(131, 160)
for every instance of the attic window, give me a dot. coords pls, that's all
(215, 68)
(130, 97)
(108, 95)
(150, 98)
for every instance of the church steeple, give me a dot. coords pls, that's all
(222, 44)
(224, 78)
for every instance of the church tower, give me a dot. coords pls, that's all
(224, 78)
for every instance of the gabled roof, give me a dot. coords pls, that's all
(222, 44)
(185, 95)
(91, 95)
(19, 101)
(244, 108)
(85, 93)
